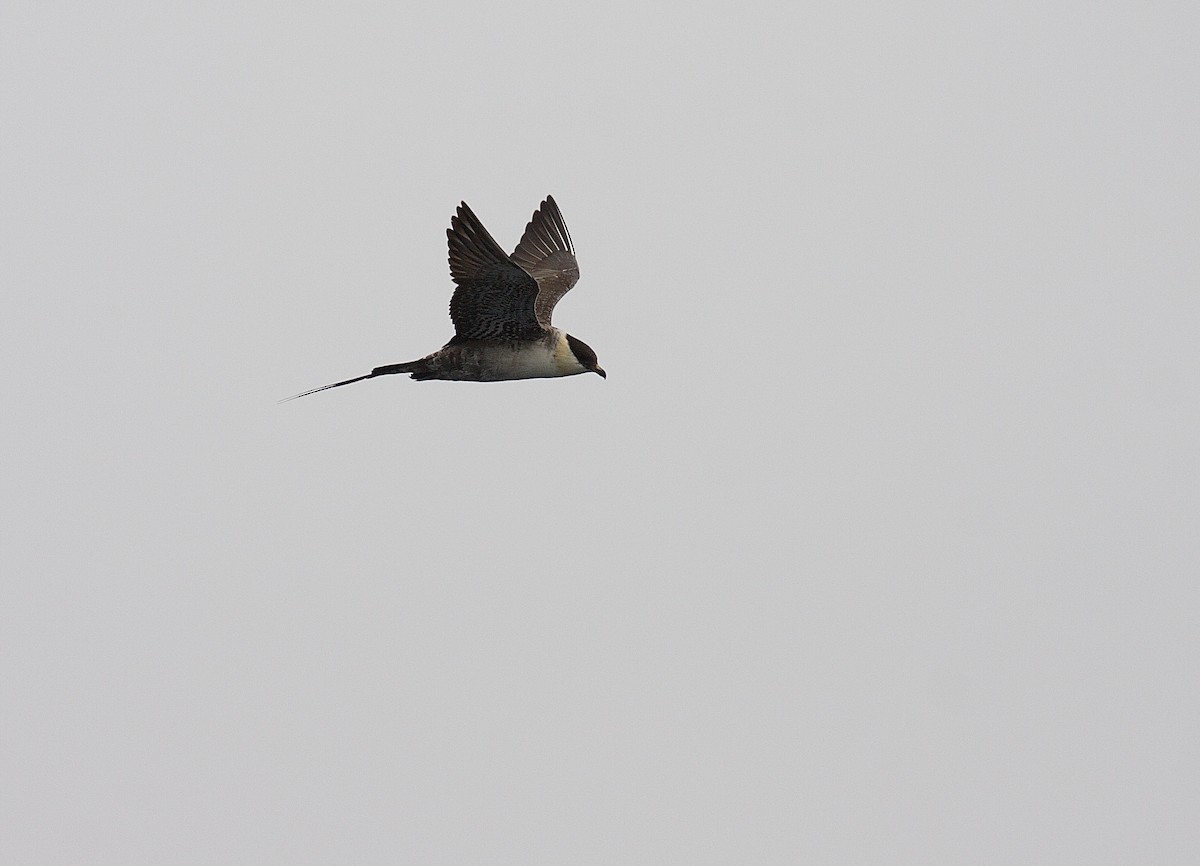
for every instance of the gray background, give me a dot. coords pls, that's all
(878, 545)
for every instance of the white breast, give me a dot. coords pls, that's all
(537, 360)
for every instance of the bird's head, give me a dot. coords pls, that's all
(585, 356)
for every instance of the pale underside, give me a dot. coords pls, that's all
(500, 360)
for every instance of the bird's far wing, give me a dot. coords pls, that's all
(495, 298)
(545, 251)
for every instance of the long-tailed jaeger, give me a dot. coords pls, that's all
(501, 309)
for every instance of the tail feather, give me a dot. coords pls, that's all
(414, 367)
(406, 367)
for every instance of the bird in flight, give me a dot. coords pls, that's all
(501, 309)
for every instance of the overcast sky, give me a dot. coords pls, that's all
(878, 545)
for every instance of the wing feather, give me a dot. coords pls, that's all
(495, 298)
(472, 248)
(546, 253)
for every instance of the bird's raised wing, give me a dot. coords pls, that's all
(495, 297)
(545, 251)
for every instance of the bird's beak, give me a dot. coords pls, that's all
(602, 374)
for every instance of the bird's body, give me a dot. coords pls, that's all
(497, 360)
(502, 307)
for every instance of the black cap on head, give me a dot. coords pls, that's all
(585, 356)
